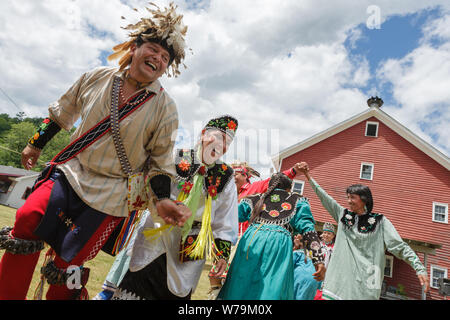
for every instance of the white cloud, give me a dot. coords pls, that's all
(280, 66)
(420, 83)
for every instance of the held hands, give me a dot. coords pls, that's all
(173, 213)
(29, 157)
(319, 275)
(221, 265)
(303, 168)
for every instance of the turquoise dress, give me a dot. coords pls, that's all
(263, 268)
(305, 286)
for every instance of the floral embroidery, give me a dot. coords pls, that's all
(274, 213)
(187, 187)
(218, 176)
(275, 198)
(232, 125)
(184, 165)
(223, 123)
(366, 222)
(223, 248)
(190, 240)
(212, 191)
(286, 206)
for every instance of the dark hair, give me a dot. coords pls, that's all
(278, 180)
(364, 193)
(140, 41)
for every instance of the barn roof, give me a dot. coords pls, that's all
(376, 112)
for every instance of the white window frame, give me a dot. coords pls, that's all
(366, 164)
(432, 267)
(391, 266)
(446, 211)
(299, 181)
(376, 132)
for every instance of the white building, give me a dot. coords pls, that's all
(15, 185)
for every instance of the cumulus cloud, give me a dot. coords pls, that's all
(280, 67)
(420, 83)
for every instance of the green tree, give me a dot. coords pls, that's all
(15, 140)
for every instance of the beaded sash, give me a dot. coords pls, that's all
(137, 196)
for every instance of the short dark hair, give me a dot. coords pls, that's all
(364, 193)
(141, 40)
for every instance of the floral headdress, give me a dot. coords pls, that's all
(165, 27)
(226, 124)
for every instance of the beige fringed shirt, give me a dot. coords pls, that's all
(96, 174)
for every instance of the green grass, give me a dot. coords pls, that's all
(99, 266)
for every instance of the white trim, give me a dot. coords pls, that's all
(300, 181)
(446, 212)
(431, 274)
(391, 266)
(393, 124)
(371, 173)
(376, 131)
(330, 294)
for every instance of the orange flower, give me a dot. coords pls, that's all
(232, 125)
(184, 165)
(224, 167)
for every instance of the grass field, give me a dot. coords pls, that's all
(99, 266)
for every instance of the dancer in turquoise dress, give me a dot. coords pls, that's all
(263, 268)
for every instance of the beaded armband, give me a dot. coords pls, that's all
(18, 246)
(46, 131)
(223, 248)
(311, 242)
(160, 184)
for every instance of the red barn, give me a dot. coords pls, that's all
(410, 183)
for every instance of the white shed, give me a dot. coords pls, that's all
(15, 185)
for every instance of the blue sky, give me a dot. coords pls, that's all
(395, 38)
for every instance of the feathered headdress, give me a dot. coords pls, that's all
(165, 27)
(243, 167)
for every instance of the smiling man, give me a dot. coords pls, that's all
(127, 121)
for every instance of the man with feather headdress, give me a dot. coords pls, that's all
(125, 134)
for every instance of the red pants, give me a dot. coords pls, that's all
(16, 270)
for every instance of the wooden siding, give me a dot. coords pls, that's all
(405, 184)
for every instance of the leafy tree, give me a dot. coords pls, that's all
(15, 140)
